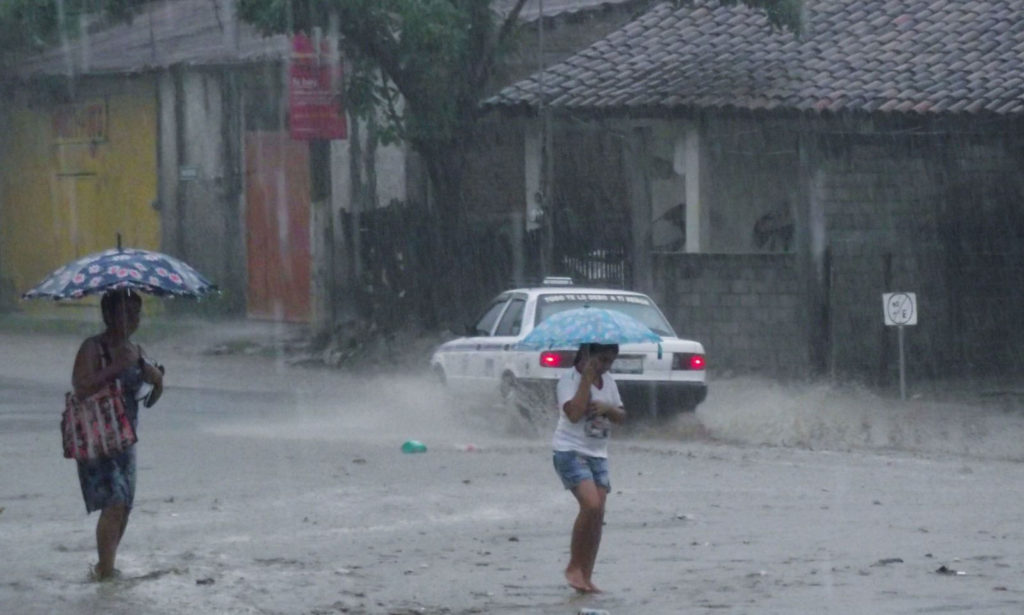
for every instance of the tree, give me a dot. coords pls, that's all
(437, 57)
(421, 65)
(34, 25)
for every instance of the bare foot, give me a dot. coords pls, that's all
(576, 581)
(95, 574)
(593, 589)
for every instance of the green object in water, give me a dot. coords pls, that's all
(414, 446)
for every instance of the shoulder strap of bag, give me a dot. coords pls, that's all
(105, 359)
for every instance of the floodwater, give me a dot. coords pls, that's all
(265, 488)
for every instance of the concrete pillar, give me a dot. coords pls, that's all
(532, 161)
(688, 149)
(342, 293)
(321, 236)
(167, 161)
(812, 243)
(638, 186)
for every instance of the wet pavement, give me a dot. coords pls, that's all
(270, 488)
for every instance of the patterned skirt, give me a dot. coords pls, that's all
(110, 481)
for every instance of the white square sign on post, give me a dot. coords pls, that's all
(900, 308)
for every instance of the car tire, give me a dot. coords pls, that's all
(518, 421)
(530, 405)
(439, 381)
(512, 397)
(440, 378)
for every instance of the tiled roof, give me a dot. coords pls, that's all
(924, 56)
(552, 8)
(206, 32)
(167, 33)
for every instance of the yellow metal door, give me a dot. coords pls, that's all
(74, 175)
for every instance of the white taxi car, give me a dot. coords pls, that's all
(655, 379)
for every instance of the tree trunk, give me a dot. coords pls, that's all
(455, 269)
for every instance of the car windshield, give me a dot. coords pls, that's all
(638, 306)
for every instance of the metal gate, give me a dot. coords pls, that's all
(277, 224)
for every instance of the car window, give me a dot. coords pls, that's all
(639, 307)
(512, 321)
(486, 322)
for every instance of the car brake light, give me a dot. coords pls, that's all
(557, 358)
(688, 361)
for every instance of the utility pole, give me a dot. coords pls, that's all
(546, 158)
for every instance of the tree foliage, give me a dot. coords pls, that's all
(34, 25)
(417, 69)
(436, 57)
(437, 54)
(781, 13)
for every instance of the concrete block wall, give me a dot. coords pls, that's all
(748, 310)
(933, 210)
(986, 270)
(879, 202)
(989, 321)
(897, 221)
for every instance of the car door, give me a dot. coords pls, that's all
(465, 368)
(499, 350)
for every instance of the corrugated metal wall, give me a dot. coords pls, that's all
(74, 175)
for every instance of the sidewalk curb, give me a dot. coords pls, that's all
(227, 336)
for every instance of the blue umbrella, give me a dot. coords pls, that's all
(149, 272)
(587, 325)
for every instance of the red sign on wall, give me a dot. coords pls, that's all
(314, 93)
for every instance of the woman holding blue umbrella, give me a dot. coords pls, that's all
(588, 402)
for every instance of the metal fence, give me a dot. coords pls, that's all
(599, 268)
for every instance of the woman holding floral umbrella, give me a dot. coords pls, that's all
(119, 275)
(108, 483)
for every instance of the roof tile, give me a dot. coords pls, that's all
(922, 56)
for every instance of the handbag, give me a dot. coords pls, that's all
(97, 426)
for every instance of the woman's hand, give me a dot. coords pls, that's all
(153, 373)
(591, 370)
(154, 395)
(614, 414)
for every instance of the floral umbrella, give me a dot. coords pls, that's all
(145, 271)
(587, 325)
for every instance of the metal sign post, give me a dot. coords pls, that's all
(900, 310)
(903, 369)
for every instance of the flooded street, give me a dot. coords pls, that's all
(803, 219)
(271, 489)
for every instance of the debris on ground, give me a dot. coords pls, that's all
(943, 569)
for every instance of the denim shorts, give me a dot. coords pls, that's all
(574, 468)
